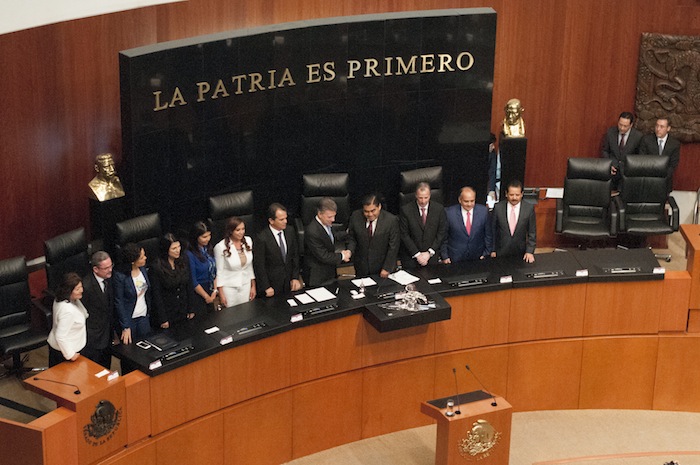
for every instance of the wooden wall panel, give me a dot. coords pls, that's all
(138, 406)
(21, 445)
(391, 396)
(678, 374)
(544, 375)
(177, 391)
(327, 413)
(546, 312)
(674, 301)
(242, 373)
(618, 373)
(61, 108)
(450, 333)
(199, 442)
(623, 308)
(489, 365)
(315, 349)
(142, 454)
(259, 432)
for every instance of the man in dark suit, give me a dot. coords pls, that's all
(374, 237)
(619, 142)
(514, 225)
(276, 255)
(469, 234)
(321, 260)
(662, 143)
(98, 299)
(423, 227)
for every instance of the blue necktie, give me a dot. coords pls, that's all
(330, 234)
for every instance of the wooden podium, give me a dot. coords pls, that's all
(481, 432)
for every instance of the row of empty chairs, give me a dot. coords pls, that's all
(590, 211)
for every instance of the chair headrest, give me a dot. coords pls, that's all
(588, 168)
(648, 166)
(233, 204)
(432, 175)
(326, 184)
(65, 245)
(12, 270)
(136, 229)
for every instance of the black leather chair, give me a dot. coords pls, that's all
(587, 210)
(643, 198)
(222, 207)
(410, 179)
(144, 231)
(64, 253)
(317, 186)
(17, 335)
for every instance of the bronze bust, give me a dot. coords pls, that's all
(513, 124)
(106, 185)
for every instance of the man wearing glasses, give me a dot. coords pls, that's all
(98, 299)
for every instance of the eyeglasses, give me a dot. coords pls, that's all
(105, 268)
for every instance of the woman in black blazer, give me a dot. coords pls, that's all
(173, 294)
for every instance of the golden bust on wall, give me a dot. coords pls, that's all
(513, 124)
(106, 185)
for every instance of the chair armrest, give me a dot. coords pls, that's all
(559, 225)
(614, 218)
(675, 214)
(42, 314)
(622, 227)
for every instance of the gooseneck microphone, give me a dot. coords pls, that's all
(494, 404)
(77, 389)
(458, 411)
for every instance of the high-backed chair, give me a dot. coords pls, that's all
(17, 335)
(145, 231)
(643, 198)
(586, 210)
(222, 207)
(410, 179)
(314, 188)
(64, 253)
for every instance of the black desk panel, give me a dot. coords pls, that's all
(384, 316)
(548, 269)
(619, 264)
(467, 277)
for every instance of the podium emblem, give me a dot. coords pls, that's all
(104, 423)
(481, 438)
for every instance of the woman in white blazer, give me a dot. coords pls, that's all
(68, 335)
(234, 264)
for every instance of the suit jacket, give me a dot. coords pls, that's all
(379, 253)
(125, 296)
(100, 307)
(672, 149)
(611, 147)
(461, 246)
(320, 258)
(271, 270)
(173, 292)
(416, 237)
(524, 240)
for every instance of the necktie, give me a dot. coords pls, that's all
(423, 215)
(102, 285)
(661, 146)
(622, 142)
(469, 223)
(330, 233)
(283, 248)
(369, 230)
(513, 220)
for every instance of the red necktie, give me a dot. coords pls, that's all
(469, 223)
(369, 230)
(622, 142)
(423, 215)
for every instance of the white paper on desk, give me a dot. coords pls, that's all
(321, 294)
(403, 277)
(304, 298)
(555, 193)
(367, 282)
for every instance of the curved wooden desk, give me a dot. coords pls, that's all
(584, 345)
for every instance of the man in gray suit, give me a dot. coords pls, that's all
(619, 142)
(662, 143)
(514, 225)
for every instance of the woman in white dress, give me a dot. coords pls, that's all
(68, 335)
(234, 264)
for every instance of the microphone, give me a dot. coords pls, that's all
(494, 404)
(77, 389)
(379, 286)
(458, 411)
